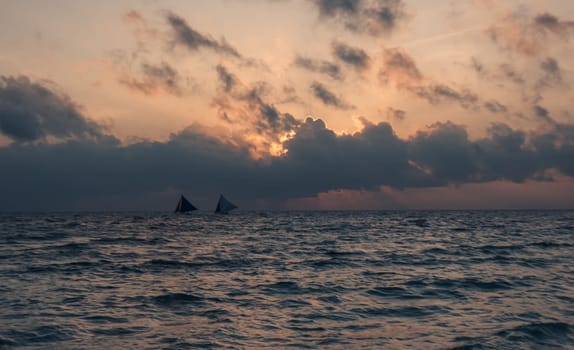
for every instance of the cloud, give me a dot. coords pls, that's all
(373, 17)
(551, 23)
(133, 16)
(495, 106)
(227, 80)
(531, 82)
(438, 93)
(239, 103)
(446, 152)
(185, 36)
(505, 154)
(141, 28)
(438, 149)
(330, 69)
(544, 115)
(396, 114)
(509, 73)
(74, 172)
(316, 160)
(552, 73)
(477, 66)
(289, 95)
(399, 67)
(530, 35)
(32, 111)
(327, 161)
(155, 78)
(179, 34)
(502, 73)
(551, 67)
(321, 92)
(353, 56)
(335, 7)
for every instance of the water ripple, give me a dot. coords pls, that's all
(313, 280)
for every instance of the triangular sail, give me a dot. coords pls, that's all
(224, 206)
(184, 206)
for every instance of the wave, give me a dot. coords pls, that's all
(103, 319)
(118, 331)
(200, 263)
(177, 299)
(550, 245)
(405, 311)
(393, 293)
(474, 283)
(317, 280)
(37, 335)
(550, 334)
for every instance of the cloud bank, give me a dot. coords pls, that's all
(315, 159)
(31, 111)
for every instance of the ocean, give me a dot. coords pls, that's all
(288, 280)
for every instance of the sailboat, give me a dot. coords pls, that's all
(184, 206)
(224, 206)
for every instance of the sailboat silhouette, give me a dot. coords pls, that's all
(224, 206)
(184, 206)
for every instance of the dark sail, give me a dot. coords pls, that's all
(183, 206)
(224, 206)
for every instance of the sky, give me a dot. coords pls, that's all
(286, 104)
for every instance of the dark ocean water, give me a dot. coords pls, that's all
(317, 280)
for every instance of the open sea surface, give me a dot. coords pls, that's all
(280, 280)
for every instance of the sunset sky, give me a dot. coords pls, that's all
(287, 104)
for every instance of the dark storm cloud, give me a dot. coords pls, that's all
(504, 154)
(442, 146)
(353, 56)
(155, 78)
(325, 160)
(31, 111)
(58, 175)
(321, 92)
(319, 66)
(316, 160)
(374, 17)
(184, 35)
(238, 103)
